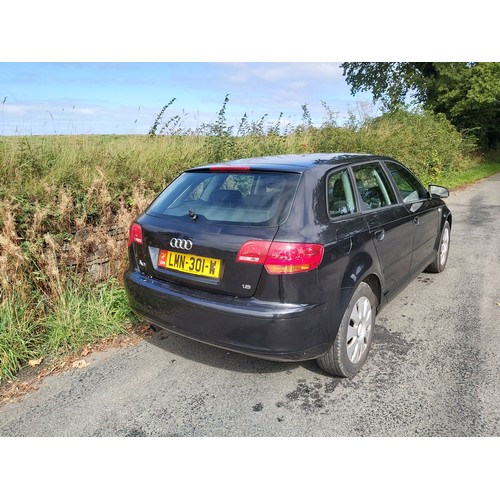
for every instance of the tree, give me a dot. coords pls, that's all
(468, 94)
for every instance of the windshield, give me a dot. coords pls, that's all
(249, 198)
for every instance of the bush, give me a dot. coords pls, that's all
(426, 143)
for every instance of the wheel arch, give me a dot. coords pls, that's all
(340, 299)
(446, 217)
(373, 281)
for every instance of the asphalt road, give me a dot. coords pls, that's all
(433, 369)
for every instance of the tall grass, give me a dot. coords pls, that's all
(18, 334)
(61, 260)
(66, 203)
(82, 313)
(50, 326)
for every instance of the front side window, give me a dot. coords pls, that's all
(408, 185)
(373, 186)
(340, 194)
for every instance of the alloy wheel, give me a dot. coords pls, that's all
(359, 329)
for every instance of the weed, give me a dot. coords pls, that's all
(220, 139)
(159, 118)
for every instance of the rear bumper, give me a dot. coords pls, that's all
(250, 326)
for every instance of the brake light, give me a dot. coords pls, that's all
(135, 234)
(253, 252)
(230, 168)
(280, 257)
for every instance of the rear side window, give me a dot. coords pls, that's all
(374, 188)
(249, 198)
(340, 194)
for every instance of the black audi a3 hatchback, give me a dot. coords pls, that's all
(286, 257)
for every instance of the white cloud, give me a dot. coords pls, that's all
(48, 107)
(277, 87)
(287, 73)
(85, 111)
(17, 109)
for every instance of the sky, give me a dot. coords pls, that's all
(124, 97)
(110, 67)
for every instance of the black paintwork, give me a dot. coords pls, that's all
(293, 316)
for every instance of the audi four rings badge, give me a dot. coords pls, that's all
(181, 244)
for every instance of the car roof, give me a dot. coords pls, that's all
(295, 162)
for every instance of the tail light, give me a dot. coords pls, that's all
(135, 234)
(281, 258)
(253, 252)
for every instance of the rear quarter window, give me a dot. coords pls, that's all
(249, 198)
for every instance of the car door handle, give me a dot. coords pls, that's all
(416, 220)
(379, 234)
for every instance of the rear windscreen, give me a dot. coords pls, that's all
(249, 198)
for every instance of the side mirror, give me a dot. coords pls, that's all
(438, 191)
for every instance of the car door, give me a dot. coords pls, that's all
(389, 222)
(424, 215)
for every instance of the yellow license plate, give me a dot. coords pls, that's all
(192, 264)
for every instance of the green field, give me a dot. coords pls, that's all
(66, 203)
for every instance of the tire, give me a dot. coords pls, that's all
(443, 250)
(354, 337)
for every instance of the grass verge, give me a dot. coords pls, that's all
(81, 315)
(18, 336)
(460, 179)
